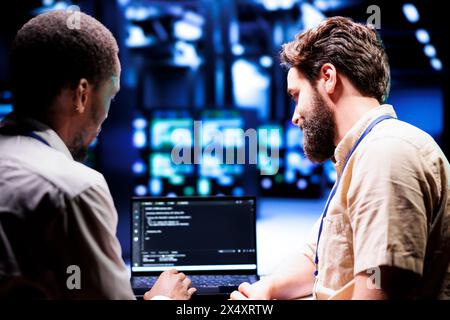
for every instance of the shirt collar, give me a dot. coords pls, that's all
(42, 130)
(350, 138)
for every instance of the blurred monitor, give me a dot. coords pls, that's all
(294, 137)
(5, 103)
(167, 133)
(161, 165)
(171, 128)
(223, 137)
(297, 161)
(226, 131)
(271, 136)
(270, 139)
(5, 108)
(166, 176)
(330, 172)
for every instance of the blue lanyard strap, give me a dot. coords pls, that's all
(37, 137)
(19, 131)
(333, 190)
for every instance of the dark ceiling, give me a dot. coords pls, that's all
(407, 58)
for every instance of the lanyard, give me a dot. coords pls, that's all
(19, 131)
(37, 137)
(333, 191)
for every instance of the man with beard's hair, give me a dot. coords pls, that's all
(385, 229)
(56, 214)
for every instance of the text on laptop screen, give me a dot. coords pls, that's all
(193, 234)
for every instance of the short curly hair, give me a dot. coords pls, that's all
(354, 49)
(47, 56)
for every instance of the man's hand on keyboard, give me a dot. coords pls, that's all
(259, 290)
(171, 284)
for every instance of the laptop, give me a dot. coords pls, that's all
(210, 239)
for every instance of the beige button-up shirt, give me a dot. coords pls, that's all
(391, 208)
(56, 213)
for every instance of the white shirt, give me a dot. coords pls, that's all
(54, 213)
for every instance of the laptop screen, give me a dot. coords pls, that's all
(193, 234)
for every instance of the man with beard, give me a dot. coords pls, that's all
(385, 229)
(57, 217)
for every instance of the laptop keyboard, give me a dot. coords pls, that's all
(200, 281)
